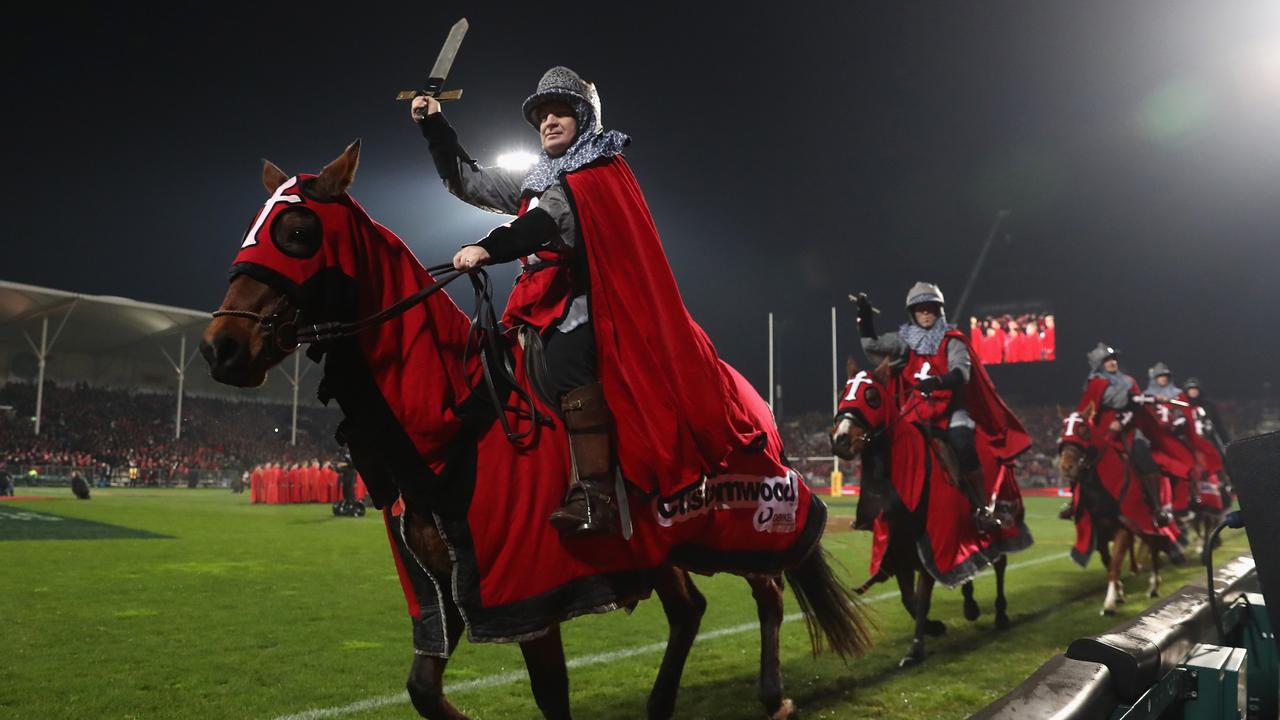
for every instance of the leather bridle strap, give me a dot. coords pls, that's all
(325, 332)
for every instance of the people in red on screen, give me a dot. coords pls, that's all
(1048, 338)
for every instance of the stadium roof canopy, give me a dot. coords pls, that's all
(117, 342)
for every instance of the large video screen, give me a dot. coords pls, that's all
(1005, 338)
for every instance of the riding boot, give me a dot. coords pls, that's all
(590, 507)
(973, 485)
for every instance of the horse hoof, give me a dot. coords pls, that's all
(935, 628)
(1002, 622)
(1153, 594)
(786, 710)
(1106, 613)
(972, 611)
(910, 660)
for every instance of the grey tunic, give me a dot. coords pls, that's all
(497, 190)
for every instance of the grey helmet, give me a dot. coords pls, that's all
(1159, 369)
(1100, 354)
(1191, 383)
(561, 83)
(923, 292)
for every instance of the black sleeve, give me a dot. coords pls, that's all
(953, 379)
(442, 142)
(520, 237)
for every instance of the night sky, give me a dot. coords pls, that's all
(790, 156)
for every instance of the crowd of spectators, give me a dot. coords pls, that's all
(104, 432)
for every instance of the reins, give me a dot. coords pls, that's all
(484, 331)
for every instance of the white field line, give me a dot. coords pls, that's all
(508, 678)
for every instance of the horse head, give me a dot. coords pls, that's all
(1075, 443)
(863, 410)
(283, 272)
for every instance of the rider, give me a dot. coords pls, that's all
(958, 398)
(1207, 415)
(1162, 388)
(1114, 396)
(637, 382)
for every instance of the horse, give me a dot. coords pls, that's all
(335, 264)
(1109, 507)
(868, 425)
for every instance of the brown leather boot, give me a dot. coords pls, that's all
(590, 507)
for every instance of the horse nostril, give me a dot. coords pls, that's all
(223, 352)
(206, 351)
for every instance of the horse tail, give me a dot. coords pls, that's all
(830, 609)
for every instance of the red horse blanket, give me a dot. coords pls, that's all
(515, 576)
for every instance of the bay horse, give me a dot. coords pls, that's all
(1112, 504)
(867, 424)
(259, 324)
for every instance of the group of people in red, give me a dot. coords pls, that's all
(1009, 339)
(276, 484)
(1164, 434)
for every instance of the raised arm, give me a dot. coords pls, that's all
(493, 189)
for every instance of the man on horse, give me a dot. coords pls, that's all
(957, 398)
(1207, 422)
(637, 382)
(1113, 397)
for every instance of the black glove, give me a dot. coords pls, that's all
(950, 381)
(866, 317)
(929, 385)
(520, 237)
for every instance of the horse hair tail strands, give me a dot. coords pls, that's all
(830, 609)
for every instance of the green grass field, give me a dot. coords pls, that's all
(241, 611)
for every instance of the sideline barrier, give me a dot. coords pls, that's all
(1100, 675)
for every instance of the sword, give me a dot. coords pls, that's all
(440, 71)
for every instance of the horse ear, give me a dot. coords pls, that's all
(850, 366)
(272, 176)
(1062, 413)
(338, 175)
(881, 372)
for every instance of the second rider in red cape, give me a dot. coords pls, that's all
(956, 396)
(624, 360)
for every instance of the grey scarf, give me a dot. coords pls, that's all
(1118, 380)
(1164, 392)
(925, 342)
(590, 145)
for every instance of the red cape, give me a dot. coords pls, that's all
(679, 411)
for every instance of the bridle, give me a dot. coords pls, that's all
(285, 335)
(271, 322)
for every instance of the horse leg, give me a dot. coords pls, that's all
(971, 610)
(684, 607)
(1153, 589)
(1122, 541)
(768, 595)
(923, 598)
(1002, 605)
(426, 676)
(548, 676)
(932, 628)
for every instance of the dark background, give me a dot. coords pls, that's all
(790, 154)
